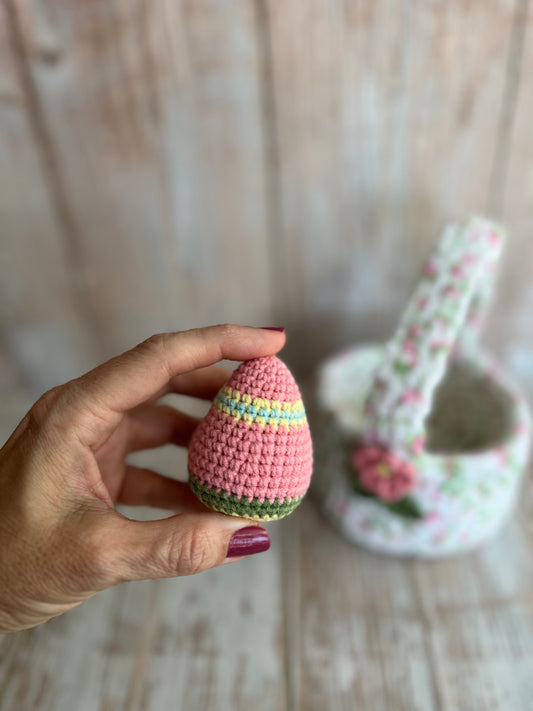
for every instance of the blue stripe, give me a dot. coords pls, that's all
(255, 412)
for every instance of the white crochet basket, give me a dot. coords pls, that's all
(425, 438)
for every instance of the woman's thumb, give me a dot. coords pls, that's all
(184, 544)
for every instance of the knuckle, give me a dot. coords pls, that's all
(76, 555)
(227, 331)
(156, 342)
(91, 555)
(192, 551)
(93, 558)
(44, 406)
(157, 348)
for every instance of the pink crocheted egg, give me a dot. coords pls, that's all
(252, 455)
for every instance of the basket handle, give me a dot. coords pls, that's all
(446, 311)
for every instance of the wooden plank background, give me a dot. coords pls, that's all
(177, 163)
(182, 162)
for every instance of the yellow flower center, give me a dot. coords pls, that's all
(384, 471)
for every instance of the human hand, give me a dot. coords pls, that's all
(63, 468)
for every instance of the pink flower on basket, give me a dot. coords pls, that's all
(410, 352)
(417, 447)
(458, 271)
(412, 397)
(430, 269)
(383, 473)
(469, 259)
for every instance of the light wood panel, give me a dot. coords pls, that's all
(315, 623)
(43, 339)
(371, 633)
(152, 118)
(156, 645)
(209, 642)
(384, 634)
(256, 162)
(169, 164)
(513, 325)
(389, 120)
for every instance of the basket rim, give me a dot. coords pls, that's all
(480, 361)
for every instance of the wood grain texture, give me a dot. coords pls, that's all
(315, 623)
(373, 633)
(512, 327)
(258, 162)
(42, 336)
(169, 164)
(151, 113)
(389, 120)
(211, 642)
(384, 634)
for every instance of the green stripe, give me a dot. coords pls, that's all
(231, 504)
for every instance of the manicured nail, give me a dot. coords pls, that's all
(272, 328)
(247, 541)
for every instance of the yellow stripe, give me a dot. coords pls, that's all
(295, 407)
(261, 402)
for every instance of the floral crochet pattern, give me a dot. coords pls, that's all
(455, 287)
(402, 492)
(382, 473)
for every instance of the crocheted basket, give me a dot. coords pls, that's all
(426, 438)
(251, 455)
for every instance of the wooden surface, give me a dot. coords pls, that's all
(313, 624)
(182, 162)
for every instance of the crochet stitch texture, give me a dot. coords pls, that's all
(251, 455)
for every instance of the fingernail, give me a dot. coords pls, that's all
(247, 541)
(272, 328)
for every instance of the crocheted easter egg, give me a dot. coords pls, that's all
(252, 455)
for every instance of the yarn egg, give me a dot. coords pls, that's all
(252, 455)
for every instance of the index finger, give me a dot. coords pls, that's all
(136, 375)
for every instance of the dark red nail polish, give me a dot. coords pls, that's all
(247, 541)
(272, 328)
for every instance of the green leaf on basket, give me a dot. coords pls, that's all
(402, 368)
(359, 489)
(406, 507)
